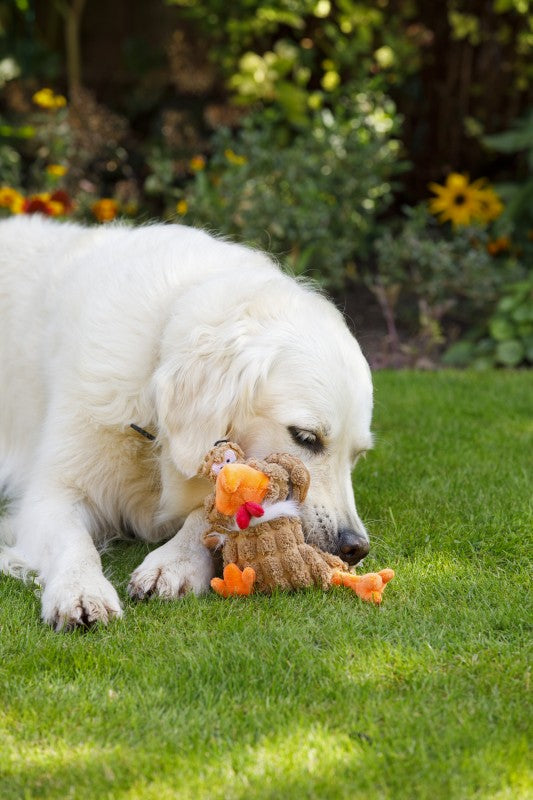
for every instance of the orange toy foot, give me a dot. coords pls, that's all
(235, 581)
(368, 587)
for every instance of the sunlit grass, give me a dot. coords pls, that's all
(313, 695)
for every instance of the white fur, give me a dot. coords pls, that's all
(283, 508)
(188, 336)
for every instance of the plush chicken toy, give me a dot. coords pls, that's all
(253, 516)
(239, 490)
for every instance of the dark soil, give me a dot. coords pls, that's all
(365, 320)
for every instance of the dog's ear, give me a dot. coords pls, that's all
(206, 385)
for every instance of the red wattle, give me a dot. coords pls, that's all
(254, 509)
(243, 517)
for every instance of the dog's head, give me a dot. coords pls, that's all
(271, 365)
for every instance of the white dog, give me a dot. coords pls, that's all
(190, 338)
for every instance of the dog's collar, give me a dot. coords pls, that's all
(152, 438)
(140, 430)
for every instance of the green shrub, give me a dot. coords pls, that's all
(447, 274)
(311, 199)
(517, 218)
(507, 338)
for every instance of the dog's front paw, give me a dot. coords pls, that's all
(71, 601)
(170, 579)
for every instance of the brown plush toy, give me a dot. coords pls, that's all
(253, 516)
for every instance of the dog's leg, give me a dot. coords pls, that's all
(52, 540)
(181, 565)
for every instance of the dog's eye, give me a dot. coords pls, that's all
(308, 439)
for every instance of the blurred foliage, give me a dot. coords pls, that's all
(295, 54)
(506, 339)
(301, 126)
(449, 273)
(433, 58)
(311, 199)
(23, 52)
(518, 195)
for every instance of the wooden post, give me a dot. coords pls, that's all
(73, 12)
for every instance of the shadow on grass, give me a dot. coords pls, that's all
(306, 695)
(312, 695)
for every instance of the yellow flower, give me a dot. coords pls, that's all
(197, 163)
(10, 198)
(55, 209)
(490, 205)
(56, 170)
(57, 204)
(182, 207)
(105, 209)
(458, 200)
(233, 158)
(45, 98)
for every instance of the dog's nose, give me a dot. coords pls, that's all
(352, 546)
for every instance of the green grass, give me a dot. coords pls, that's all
(313, 695)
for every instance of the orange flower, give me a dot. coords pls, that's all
(197, 163)
(10, 198)
(499, 245)
(182, 207)
(105, 209)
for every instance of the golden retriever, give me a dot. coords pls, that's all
(191, 339)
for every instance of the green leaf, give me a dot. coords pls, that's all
(482, 363)
(22, 132)
(524, 329)
(501, 329)
(459, 354)
(510, 353)
(507, 303)
(520, 137)
(281, 17)
(294, 102)
(524, 313)
(485, 347)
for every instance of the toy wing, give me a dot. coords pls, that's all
(238, 484)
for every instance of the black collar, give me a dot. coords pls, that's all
(142, 432)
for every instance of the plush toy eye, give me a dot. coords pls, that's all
(229, 458)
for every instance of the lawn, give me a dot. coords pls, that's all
(313, 695)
